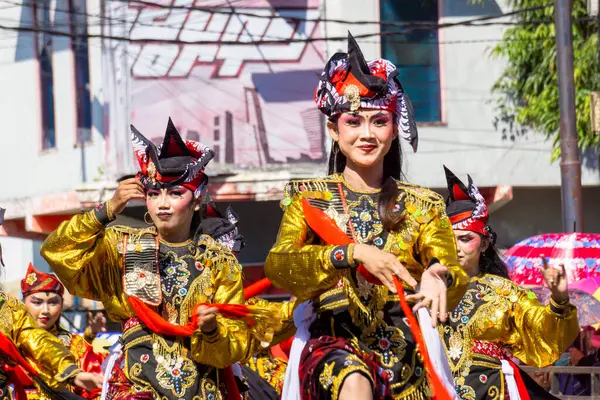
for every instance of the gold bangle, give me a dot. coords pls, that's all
(350, 253)
(109, 210)
(562, 306)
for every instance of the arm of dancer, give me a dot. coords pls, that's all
(231, 341)
(297, 264)
(436, 244)
(540, 333)
(83, 254)
(46, 353)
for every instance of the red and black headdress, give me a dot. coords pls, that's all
(466, 207)
(36, 281)
(222, 226)
(349, 82)
(176, 162)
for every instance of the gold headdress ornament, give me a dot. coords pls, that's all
(352, 94)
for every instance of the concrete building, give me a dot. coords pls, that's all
(68, 98)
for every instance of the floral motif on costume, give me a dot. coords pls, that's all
(173, 371)
(365, 218)
(175, 273)
(31, 278)
(387, 341)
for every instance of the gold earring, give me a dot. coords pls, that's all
(146, 221)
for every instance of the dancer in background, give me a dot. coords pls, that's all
(360, 345)
(496, 319)
(264, 372)
(169, 285)
(43, 297)
(30, 355)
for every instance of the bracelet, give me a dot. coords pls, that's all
(109, 211)
(563, 304)
(350, 256)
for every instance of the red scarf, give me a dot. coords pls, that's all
(159, 325)
(330, 233)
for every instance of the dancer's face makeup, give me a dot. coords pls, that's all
(171, 209)
(470, 245)
(45, 307)
(364, 136)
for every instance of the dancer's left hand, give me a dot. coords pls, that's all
(432, 293)
(207, 318)
(556, 279)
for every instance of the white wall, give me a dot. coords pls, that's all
(26, 170)
(466, 141)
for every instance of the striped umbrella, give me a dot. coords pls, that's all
(579, 252)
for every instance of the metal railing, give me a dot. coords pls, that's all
(554, 387)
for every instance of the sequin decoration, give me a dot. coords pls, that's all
(387, 341)
(326, 377)
(339, 255)
(174, 273)
(365, 218)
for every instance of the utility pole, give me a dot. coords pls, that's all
(570, 166)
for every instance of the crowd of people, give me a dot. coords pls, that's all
(397, 293)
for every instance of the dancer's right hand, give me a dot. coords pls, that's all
(382, 265)
(88, 380)
(128, 189)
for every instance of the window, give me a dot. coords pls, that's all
(79, 45)
(44, 51)
(415, 54)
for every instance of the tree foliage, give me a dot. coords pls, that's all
(528, 87)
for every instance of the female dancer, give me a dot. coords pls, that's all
(184, 351)
(31, 355)
(360, 344)
(43, 296)
(496, 318)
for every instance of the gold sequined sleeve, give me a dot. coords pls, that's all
(230, 342)
(46, 353)
(297, 262)
(83, 254)
(436, 242)
(540, 333)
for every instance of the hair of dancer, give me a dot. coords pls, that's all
(359, 225)
(30, 356)
(43, 296)
(497, 319)
(177, 291)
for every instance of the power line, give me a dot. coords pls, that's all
(327, 20)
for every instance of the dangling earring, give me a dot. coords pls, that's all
(146, 221)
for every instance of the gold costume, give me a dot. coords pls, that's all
(366, 317)
(497, 315)
(106, 264)
(46, 353)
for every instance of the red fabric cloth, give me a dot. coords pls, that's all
(17, 374)
(257, 288)
(158, 325)
(91, 362)
(523, 392)
(328, 231)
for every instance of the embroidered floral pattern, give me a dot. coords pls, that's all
(387, 341)
(365, 218)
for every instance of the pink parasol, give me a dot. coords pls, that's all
(579, 252)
